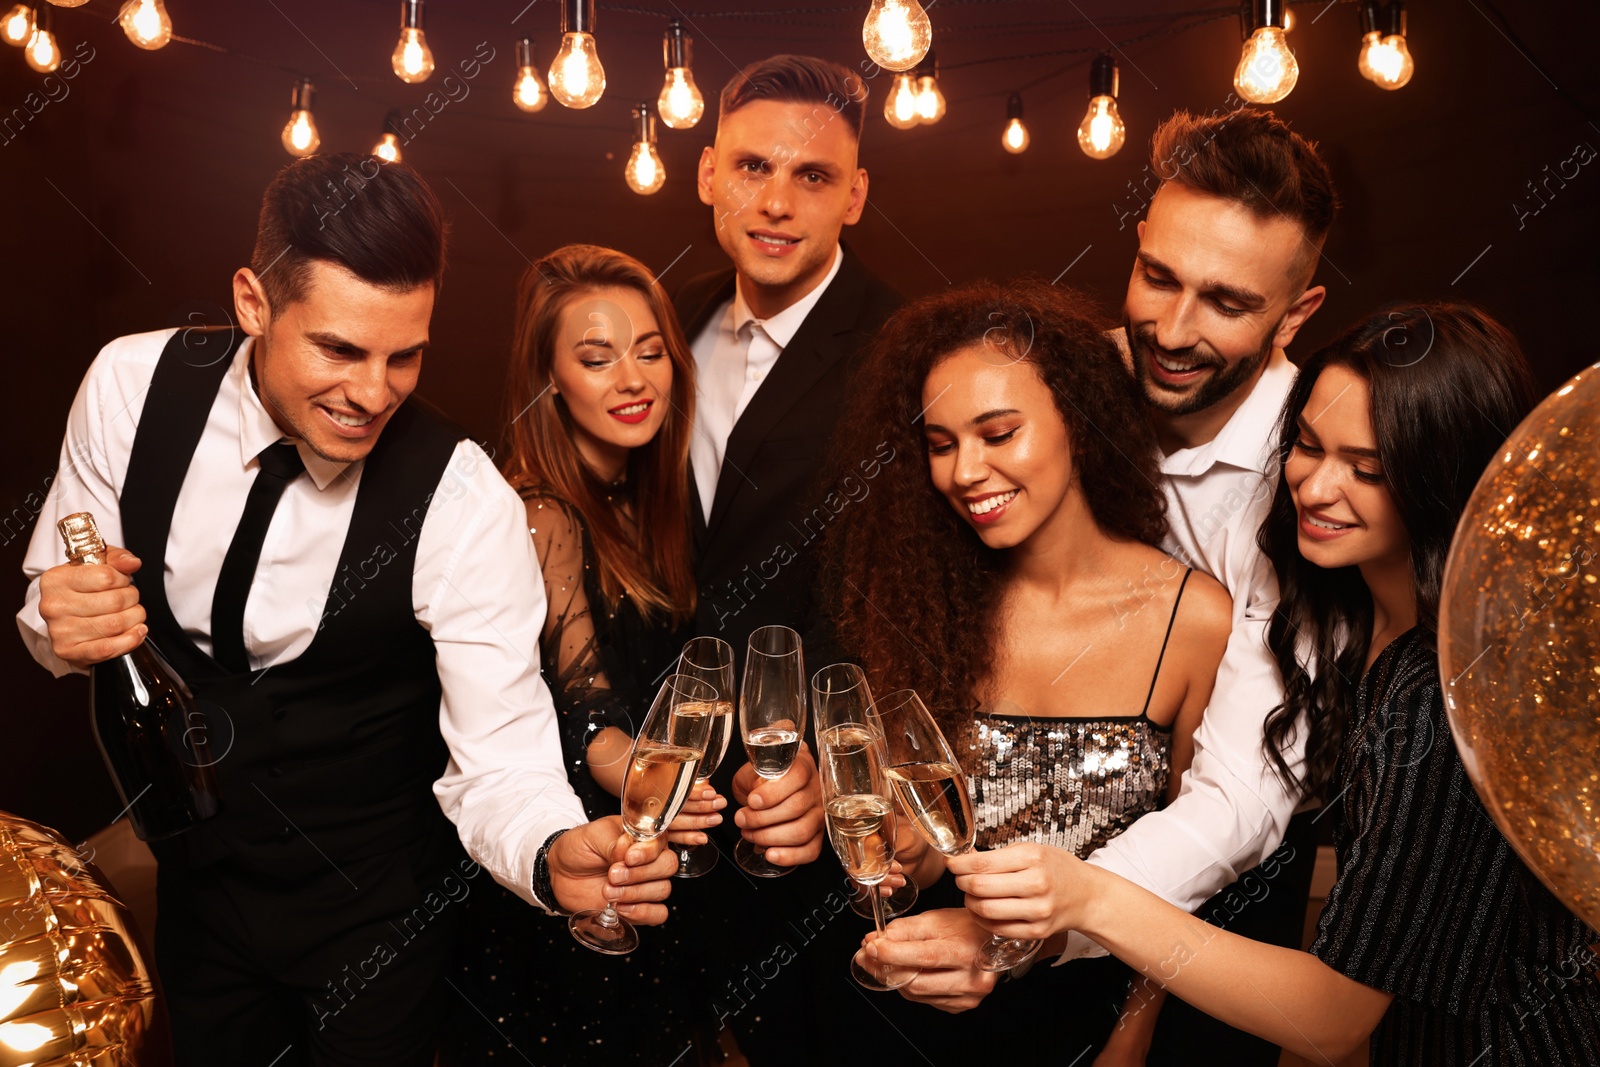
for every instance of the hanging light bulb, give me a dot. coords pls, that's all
(680, 103)
(42, 52)
(1267, 69)
(1371, 37)
(900, 107)
(146, 23)
(530, 93)
(413, 59)
(576, 77)
(17, 26)
(300, 136)
(1391, 61)
(69, 3)
(644, 172)
(1101, 133)
(930, 101)
(1015, 139)
(897, 33)
(388, 146)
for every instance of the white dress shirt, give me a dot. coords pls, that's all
(1232, 809)
(733, 355)
(476, 587)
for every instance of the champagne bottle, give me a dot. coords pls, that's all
(150, 731)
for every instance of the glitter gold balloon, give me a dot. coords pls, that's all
(1519, 641)
(74, 988)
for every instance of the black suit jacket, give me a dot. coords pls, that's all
(756, 552)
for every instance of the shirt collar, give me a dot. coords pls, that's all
(258, 431)
(1248, 440)
(785, 324)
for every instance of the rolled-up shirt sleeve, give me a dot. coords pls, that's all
(479, 593)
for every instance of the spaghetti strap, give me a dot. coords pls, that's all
(1145, 713)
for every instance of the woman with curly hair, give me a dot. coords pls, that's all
(1437, 945)
(1006, 569)
(600, 395)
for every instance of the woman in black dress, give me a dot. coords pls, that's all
(1437, 944)
(600, 394)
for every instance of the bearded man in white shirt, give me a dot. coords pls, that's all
(1221, 284)
(348, 586)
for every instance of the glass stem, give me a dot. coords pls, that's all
(609, 917)
(878, 914)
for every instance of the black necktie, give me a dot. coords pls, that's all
(280, 465)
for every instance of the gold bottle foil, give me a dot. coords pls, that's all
(82, 537)
(75, 990)
(1519, 641)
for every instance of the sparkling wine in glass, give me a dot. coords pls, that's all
(772, 720)
(709, 659)
(856, 802)
(841, 705)
(928, 782)
(661, 770)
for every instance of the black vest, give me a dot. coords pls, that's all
(334, 753)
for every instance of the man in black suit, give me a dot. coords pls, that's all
(775, 338)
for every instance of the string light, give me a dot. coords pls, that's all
(17, 26)
(576, 77)
(930, 101)
(1267, 69)
(1371, 38)
(644, 172)
(42, 53)
(388, 146)
(900, 106)
(680, 102)
(1391, 61)
(897, 33)
(529, 93)
(1015, 139)
(300, 136)
(412, 59)
(146, 23)
(1101, 133)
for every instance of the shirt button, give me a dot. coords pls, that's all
(276, 772)
(755, 376)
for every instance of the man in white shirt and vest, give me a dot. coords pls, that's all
(349, 588)
(1221, 284)
(775, 336)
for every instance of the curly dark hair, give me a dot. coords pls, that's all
(1449, 384)
(910, 589)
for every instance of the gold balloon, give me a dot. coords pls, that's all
(74, 988)
(1519, 641)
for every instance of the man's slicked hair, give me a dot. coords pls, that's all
(799, 80)
(1250, 157)
(378, 220)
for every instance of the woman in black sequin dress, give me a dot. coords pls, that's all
(1437, 945)
(602, 390)
(1005, 567)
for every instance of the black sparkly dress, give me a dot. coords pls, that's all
(1432, 904)
(525, 990)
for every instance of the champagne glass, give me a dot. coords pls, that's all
(661, 770)
(710, 659)
(841, 703)
(931, 787)
(772, 720)
(855, 795)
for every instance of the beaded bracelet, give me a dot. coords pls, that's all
(544, 889)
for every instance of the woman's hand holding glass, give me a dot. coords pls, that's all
(1025, 891)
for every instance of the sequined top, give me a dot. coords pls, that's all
(1074, 783)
